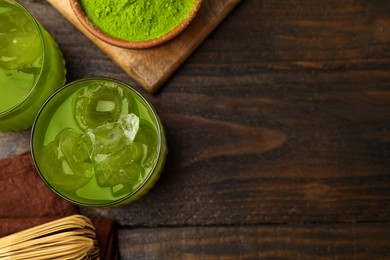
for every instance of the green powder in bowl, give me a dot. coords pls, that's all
(143, 23)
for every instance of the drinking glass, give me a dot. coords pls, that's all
(31, 66)
(98, 142)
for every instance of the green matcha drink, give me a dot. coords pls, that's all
(31, 66)
(98, 142)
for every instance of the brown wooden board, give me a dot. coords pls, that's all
(352, 241)
(152, 67)
(278, 136)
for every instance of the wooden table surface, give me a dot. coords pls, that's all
(278, 128)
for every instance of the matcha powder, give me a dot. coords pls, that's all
(136, 20)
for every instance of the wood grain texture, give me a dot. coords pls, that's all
(366, 241)
(281, 117)
(311, 81)
(255, 138)
(152, 67)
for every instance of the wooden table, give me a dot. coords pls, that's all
(278, 129)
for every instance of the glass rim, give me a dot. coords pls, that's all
(39, 30)
(152, 170)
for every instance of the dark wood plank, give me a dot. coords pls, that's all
(282, 116)
(366, 241)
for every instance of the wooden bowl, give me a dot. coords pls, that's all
(85, 21)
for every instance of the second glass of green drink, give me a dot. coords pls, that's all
(31, 66)
(97, 142)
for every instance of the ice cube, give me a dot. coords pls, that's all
(100, 104)
(105, 106)
(20, 45)
(120, 171)
(110, 137)
(130, 126)
(65, 161)
(115, 156)
(147, 136)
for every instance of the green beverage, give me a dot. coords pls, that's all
(31, 66)
(98, 142)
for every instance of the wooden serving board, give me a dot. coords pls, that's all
(152, 67)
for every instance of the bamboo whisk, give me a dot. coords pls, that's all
(70, 238)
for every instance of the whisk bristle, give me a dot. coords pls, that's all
(71, 237)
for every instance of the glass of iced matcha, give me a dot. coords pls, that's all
(97, 142)
(31, 66)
